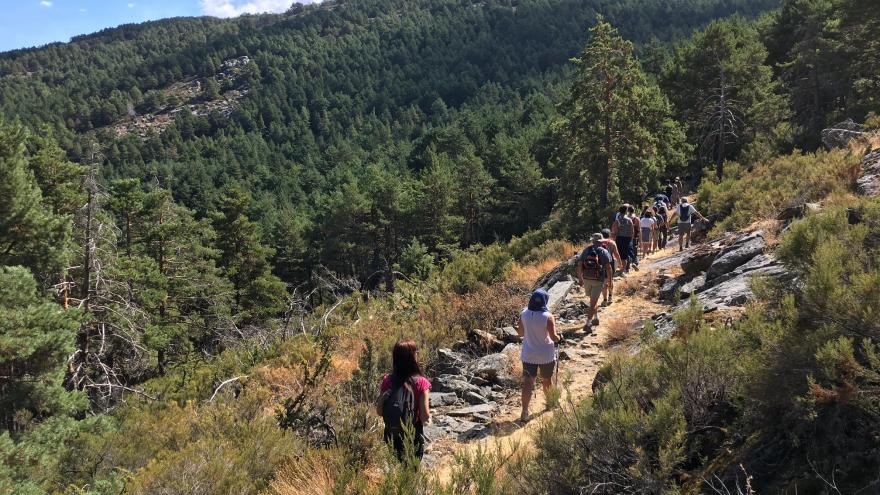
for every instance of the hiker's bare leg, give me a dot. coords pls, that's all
(528, 385)
(545, 384)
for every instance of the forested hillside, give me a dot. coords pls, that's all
(212, 231)
(344, 102)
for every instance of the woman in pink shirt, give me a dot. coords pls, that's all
(405, 398)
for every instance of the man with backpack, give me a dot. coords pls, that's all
(670, 191)
(622, 231)
(610, 246)
(593, 267)
(686, 213)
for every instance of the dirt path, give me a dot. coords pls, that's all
(635, 300)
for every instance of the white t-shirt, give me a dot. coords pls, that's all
(647, 222)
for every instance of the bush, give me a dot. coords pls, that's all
(471, 270)
(746, 196)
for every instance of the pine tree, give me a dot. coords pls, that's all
(36, 337)
(244, 259)
(30, 234)
(616, 136)
(725, 93)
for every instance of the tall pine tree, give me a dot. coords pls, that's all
(616, 136)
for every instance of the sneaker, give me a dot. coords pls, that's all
(610, 299)
(688, 245)
(588, 327)
(595, 322)
(605, 303)
(525, 417)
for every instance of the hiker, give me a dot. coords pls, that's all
(404, 399)
(670, 191)
(680, 186)
(593, 265)
(622, 231)
(609, 245)
(634, 249)
(537, 327)
(686, 212)
(661, 199)
(662, 219)
(648, 224)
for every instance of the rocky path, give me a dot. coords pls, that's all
(463, 428)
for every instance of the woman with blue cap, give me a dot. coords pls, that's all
(537, 327)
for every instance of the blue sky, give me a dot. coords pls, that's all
(26, 23)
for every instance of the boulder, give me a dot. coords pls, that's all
(735, 291)
(841, 134)
(487, 408)
(574, 311)
(698, 260)
(433, 432)
(691, 287)
(437, 399)
(563, 272)
(509, 335)
(453, 383)
(474, 398)
(798, 211)
(484, 341)
(567, 355)
(558, 293)
(450, 362)
(495, 368)
(737, 253)
(869, 182)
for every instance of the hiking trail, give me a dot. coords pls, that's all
(635, 301)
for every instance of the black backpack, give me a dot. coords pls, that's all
(684, 212)
(591, 262)
(398, 406)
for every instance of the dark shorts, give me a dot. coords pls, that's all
(531, 370)
(624, 246)
(396, 437)
(684, 228)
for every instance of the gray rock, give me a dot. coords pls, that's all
(566, 355)
(691, 287)
(798, 211)
(573, 311)
(698, 261)
(841, 134)
(484, 341)
(563, 271)
(433, 432)
(474, 398)
(450, 362)
(495, 368)
(453, 383)
(869, 182)
(736, 291)
(509, 335)
(738, 253)
(482, 418)
(487, 408)
(437, 399)
(558, 293)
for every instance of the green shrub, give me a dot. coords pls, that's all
(746, 196)
(472, 269)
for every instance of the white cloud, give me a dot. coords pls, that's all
(82, 10)
(131, 5)
(46, 3)
(233, 8)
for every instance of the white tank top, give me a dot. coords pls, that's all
(537, 345)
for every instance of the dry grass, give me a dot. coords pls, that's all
(618, 330)
(312, 474)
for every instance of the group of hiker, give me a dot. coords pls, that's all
(405, 391)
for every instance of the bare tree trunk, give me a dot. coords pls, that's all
(719, 164)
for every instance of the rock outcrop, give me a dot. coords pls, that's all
(841, 134)
(869, 183)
